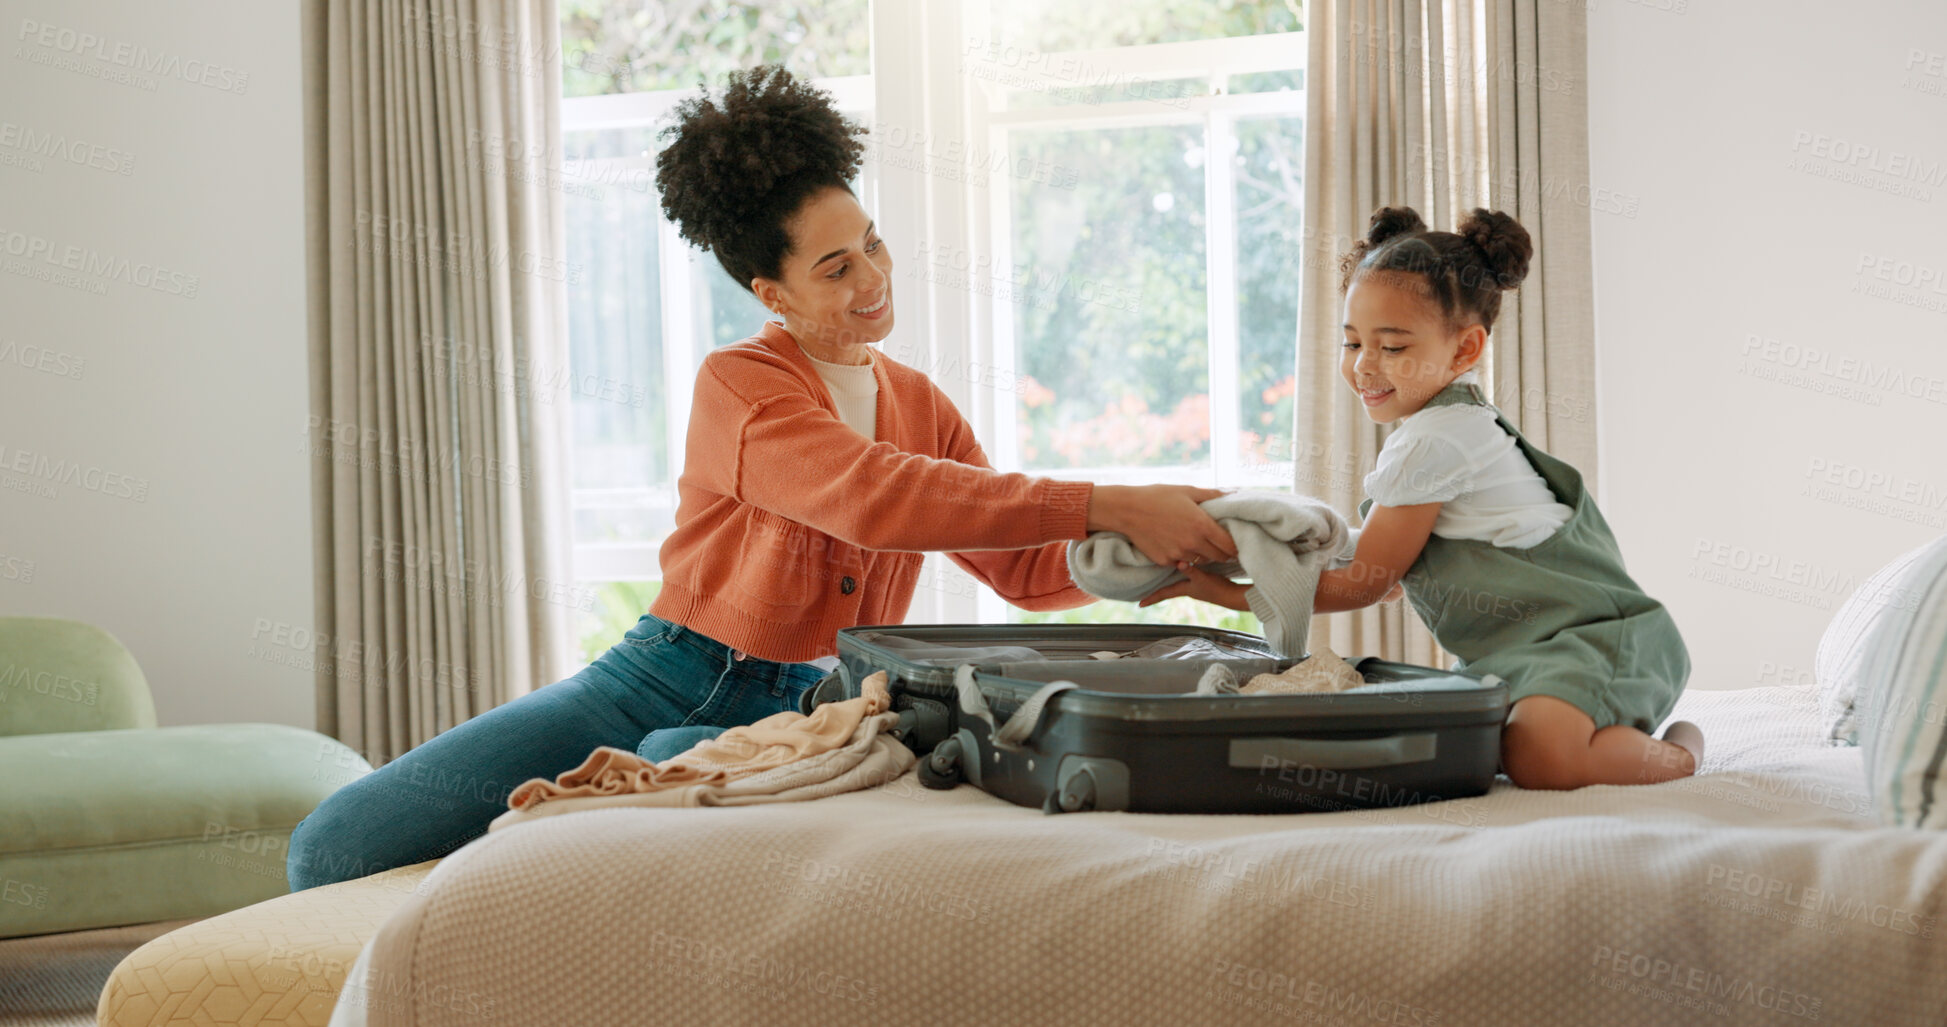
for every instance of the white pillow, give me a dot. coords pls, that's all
(1855, 644)
(1901, 703)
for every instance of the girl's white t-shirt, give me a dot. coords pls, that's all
(1457, 455)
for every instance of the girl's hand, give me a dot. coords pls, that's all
(1389, 543)
(1201, 584)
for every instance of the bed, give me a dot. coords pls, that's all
(1761, 891)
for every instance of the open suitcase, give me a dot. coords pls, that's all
(1031, 714)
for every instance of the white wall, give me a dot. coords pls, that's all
(191, 524)
(1753, 484)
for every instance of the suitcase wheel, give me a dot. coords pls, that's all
(833, 687)
(1075, 795)
(941, 767)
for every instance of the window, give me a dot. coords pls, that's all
(1095, 275)
(1144, 272)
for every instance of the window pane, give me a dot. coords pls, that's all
(725, 311)
(1269, 174)
(614, 336)
(1267, 81)
(1025, 92)
(631, 46)
(1107, 288)
(1099, 24)
(612, 143)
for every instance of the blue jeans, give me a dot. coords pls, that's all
(441, 794)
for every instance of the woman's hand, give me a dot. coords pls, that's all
(1201, 584)
(1164, 522)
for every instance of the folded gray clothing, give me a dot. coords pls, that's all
(1283, 541)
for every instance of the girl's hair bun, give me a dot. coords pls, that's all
(1462, 272)
(1504, 245)
(1388, 222)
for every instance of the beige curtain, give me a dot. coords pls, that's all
(1445, 106)
(438, 339)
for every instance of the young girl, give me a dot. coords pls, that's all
(1498, 546)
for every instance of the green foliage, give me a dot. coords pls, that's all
(618, 606)
(1111, 264)
(1269, 167)
(624, 46)
(612, 46)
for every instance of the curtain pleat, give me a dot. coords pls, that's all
(1444, 107)
(438, 271)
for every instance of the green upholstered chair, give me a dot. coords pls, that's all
(107, 819)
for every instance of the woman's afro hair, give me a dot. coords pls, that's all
(1463, 272)
(737, 167)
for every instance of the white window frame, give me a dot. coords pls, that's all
(943, 327)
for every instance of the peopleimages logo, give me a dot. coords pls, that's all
(1901, 281)
(41, 468)
(78, 152)
(103, 50)
(1824, 901)
(86, 260)
(1869, 157)
(1879, 377)
(1902, 272)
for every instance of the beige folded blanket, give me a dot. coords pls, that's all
(1322, 671)
(784, 757)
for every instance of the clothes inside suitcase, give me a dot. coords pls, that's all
(1036, 718)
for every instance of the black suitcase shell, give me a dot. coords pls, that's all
(1133, 737)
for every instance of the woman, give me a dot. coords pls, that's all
(817, 473)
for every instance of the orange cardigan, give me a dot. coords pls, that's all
(791, 525)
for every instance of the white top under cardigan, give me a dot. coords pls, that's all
(855, 391)
(1456, 455)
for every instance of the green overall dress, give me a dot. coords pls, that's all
(1560, 618)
